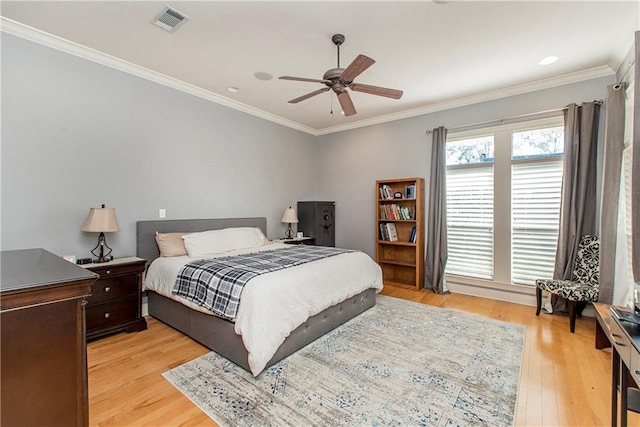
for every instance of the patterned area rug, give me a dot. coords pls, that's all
(399, 363)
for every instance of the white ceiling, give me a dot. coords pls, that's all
(440, 53)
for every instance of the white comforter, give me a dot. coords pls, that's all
(274, 304)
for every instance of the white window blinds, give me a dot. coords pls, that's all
(535, 212)
(470, 221)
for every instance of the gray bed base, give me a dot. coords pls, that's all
(216, 333)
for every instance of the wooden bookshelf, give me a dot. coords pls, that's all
(401, 260)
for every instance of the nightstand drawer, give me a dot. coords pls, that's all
(116, 269)
(111, 313)
(113, 288)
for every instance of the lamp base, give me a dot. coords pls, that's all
(101, 256)
(289, 233)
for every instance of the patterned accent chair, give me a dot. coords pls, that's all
(584, 284)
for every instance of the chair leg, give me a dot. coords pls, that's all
(538, 300)
(580, 306)
(572, 315)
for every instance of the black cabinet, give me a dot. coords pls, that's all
(318, 220)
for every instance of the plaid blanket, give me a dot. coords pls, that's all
(217, 283)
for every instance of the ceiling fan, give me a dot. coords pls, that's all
(339, 79)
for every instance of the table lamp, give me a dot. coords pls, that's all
(101, 220)
(289, 217)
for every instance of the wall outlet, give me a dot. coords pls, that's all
(162, 213)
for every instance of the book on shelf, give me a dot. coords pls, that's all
(412, 236)
(383, 232)
(388, 232)
(393, 235)
(396, 212)
(386, 192)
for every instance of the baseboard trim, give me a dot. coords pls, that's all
(514, 296)
(518, 295)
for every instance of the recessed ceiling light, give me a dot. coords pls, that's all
(233, 89)
(548, 60)
(261, 75)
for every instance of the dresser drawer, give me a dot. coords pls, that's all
(621, 342)
(111, 313)
(113, 288)
(635, 366)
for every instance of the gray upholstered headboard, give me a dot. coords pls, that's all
(147, 248)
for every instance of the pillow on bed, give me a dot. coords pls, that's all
(224, 240)
(171, 244)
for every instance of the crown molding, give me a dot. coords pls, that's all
(519, 89)
(37, 36)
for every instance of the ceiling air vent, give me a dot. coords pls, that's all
(170, 19)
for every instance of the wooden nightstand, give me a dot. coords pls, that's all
(298, 241)
(116, 302)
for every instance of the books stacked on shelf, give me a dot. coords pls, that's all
(412, 236)
(388, 232)
(386, 192)
(394, 211)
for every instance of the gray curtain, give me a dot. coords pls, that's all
(436, 256)
(613, 148)
(578, 200)
(635, 168)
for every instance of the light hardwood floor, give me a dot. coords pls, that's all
(564, 381)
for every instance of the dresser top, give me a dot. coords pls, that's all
(24, 269)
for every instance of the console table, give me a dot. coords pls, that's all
(624, 338)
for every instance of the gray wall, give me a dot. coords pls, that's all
(76, 134)
(350, 162)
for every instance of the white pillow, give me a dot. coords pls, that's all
(224, 240)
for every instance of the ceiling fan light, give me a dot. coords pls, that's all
(548, 60)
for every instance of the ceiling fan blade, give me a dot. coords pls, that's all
(309, 95)
(302, 79)
(347, 105)
(354, 69)
(377, 90)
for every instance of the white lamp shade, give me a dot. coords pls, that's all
(290, 216)
(101, 220)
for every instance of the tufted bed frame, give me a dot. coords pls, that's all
(216, 333)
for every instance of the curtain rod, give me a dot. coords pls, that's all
(510, 120)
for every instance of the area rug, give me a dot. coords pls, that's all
(399, 363)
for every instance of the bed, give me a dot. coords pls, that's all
(219, 334)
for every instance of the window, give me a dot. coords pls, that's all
(536, 185)
(470, 207)
(503, 202)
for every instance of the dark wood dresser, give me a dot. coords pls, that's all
(43, 366)
(116, 302)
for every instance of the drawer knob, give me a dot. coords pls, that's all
(621, 344)
(106, 315)
(108, 271)
(637, 372)
(107, 289)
